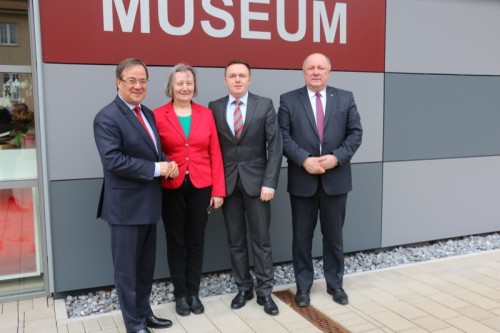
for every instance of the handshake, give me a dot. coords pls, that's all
(169, 170)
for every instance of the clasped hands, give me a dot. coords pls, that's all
(169, 169)
(319, 165)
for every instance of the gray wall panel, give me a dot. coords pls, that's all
(440, 116)
(443, 36)
(427, 200)
(70, 108)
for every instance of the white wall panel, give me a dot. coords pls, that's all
(443, 36)
(436, 199)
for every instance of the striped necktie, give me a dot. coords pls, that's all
(238, 120)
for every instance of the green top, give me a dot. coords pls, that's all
(185, 124)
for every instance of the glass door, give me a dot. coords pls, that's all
(21, 268)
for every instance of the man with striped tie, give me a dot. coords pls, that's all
(251, 146)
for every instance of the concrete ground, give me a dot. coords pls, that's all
(457, 294)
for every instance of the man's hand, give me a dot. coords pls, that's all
(328, 162)
(266, 194)
(313, 166)
(169, 169)
(173, 170)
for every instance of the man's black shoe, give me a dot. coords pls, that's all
(269, 306)
(182, 306)
(144, 330)
(302, 298)
(155, 322)
(339, 295)
(196, 305)
(241, 299)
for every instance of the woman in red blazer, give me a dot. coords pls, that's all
(189, 137)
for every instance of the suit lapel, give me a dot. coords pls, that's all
(306, 103)
(221, 115)
(221, 109)
(195, 119)
(132, 119)
(331, 104)
(251, 109)
(171, 117)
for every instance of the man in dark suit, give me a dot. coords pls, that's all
(321, 131)
(128, 143)
(252, 152)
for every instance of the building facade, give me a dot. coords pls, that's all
(424, 74)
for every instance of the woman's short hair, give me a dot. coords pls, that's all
(170, 80)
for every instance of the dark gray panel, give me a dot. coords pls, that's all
(81, 243)
(363, 225)
(440, 116)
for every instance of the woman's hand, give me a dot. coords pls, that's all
(216, 202)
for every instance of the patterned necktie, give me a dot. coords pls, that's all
(238, 120)
(320, 117)
(141, 120)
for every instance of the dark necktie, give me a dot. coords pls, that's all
(320, 117)
(141, 120)
(238, 120)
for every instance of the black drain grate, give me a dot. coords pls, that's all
(315, 317)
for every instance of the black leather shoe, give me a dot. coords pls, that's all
(241, 299)
(302, 298)
(269, 306)
(145, 330)
(182, 306)
(196, 305)
(155, 322)
(339, 295)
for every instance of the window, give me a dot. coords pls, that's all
(8, 34)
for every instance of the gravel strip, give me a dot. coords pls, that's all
(222, 282)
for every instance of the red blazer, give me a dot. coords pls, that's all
(199, 154)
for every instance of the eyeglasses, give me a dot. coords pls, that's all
(132, 81)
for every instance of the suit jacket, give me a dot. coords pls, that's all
(257, 156)
(341, 137)
(130, 194)
(199, 153)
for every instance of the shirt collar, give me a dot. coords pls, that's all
(130, 106)
(312, 94)
(242, 100)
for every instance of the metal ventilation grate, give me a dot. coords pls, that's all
(315, 317)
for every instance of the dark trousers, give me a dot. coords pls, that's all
(258, 213)
(304, 219)
(133, 249)
(185, 216)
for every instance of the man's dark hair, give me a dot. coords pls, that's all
(127, 63)
(235, 62)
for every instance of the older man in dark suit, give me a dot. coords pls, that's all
(128, 143)
(321, 131)
(252, 152)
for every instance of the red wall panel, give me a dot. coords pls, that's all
(74, 32)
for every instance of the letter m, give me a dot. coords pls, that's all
(126, 18)
(339, 19)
